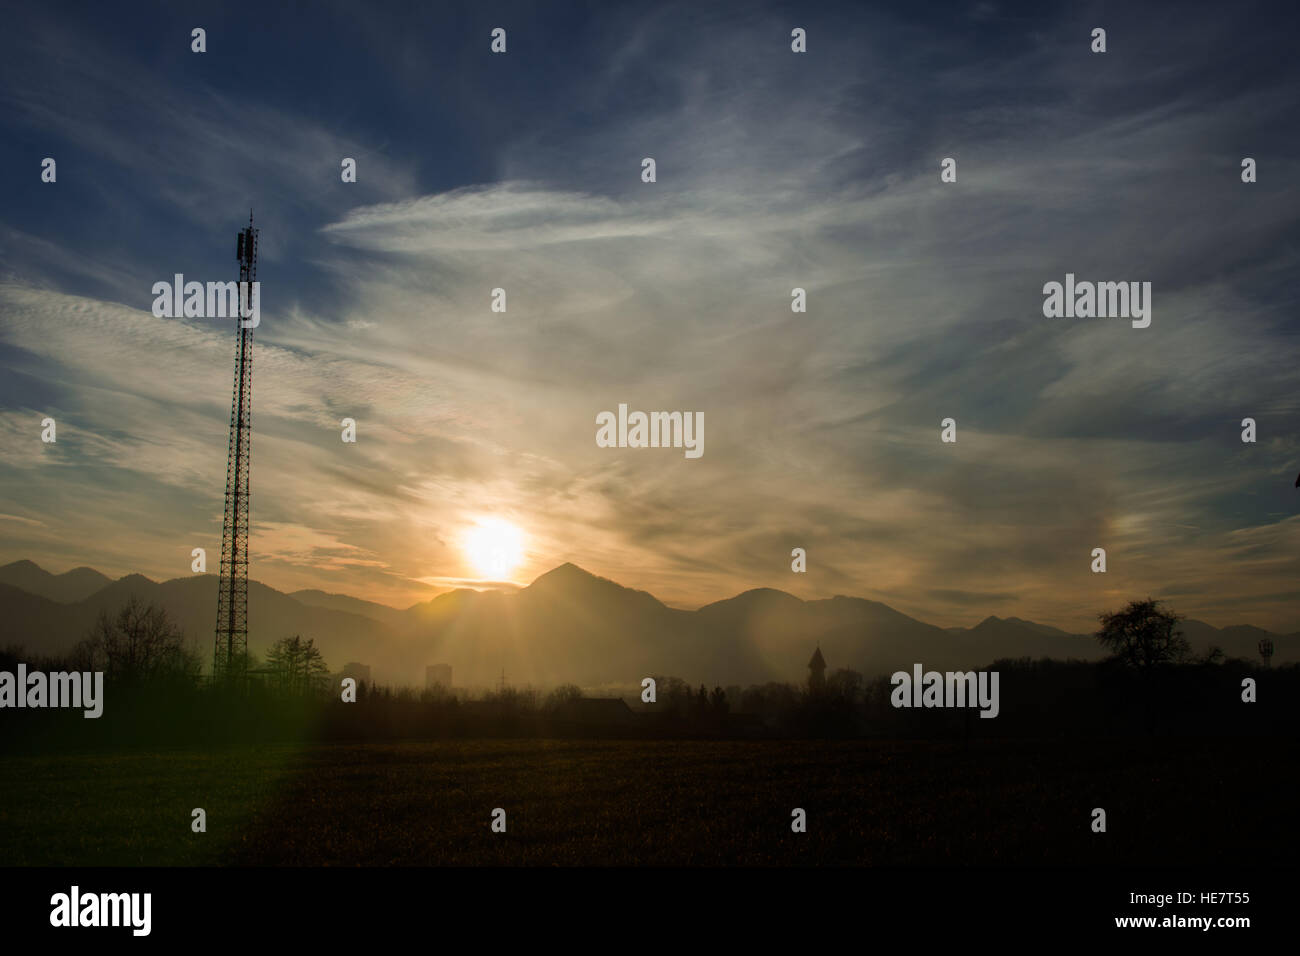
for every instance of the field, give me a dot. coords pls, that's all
(571, 802)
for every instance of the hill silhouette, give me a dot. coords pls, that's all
(568, 626)
(74, 585)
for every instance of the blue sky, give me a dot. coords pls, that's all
(775, 170)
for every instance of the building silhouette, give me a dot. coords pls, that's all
(817, 672)
(358, 672)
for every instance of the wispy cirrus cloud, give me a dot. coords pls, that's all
(821, 428)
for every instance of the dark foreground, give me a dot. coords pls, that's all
(1167, 802)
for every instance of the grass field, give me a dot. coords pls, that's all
(657, 802)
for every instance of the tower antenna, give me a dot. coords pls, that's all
(230, 657)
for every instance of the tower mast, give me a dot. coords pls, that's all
(230, 657)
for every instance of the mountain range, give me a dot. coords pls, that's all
(568, 626)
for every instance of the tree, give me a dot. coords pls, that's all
(673, 695)
(297, 665)
(138, 643)
(718, 701)
(563, 695)
(1143, 635)
(845, 684)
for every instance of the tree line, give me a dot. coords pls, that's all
(1150, 683)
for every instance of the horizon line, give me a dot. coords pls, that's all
(518, 587)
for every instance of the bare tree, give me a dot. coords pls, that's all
(846, 684)
(138, 643)
(562, 696)
(718, 701)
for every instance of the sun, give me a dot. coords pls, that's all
(494, 547)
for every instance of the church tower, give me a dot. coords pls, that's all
(817, 672)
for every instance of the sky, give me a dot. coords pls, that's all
(774, 170)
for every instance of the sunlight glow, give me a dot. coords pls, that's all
(494, 547)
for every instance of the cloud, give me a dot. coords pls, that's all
(822, 428)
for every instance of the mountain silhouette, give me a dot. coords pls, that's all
(568, 626)
(350, 605)
(43, 626)
(74, 585)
